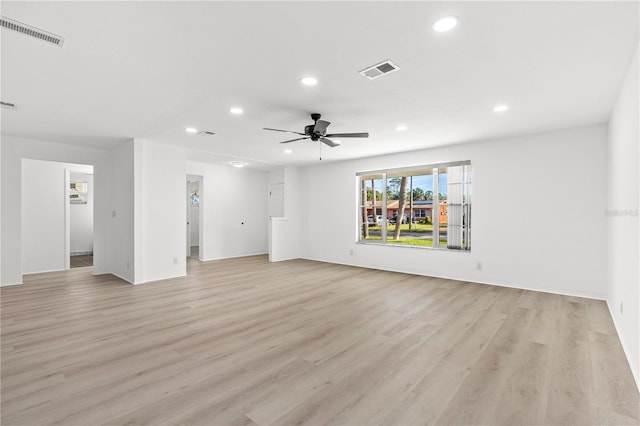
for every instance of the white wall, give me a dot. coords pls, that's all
(234, 210)
(623, 205)
(121, 213)
(537, 220)
(13, 151)
(163, 214)
(284, 233)
(44, 209)
(284, 230)
(43, 216)
(81, 218)
(139, 208)
(276, 193)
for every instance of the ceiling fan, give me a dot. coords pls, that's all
(318, 132)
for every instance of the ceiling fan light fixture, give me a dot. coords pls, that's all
(445, 24)
(288, 151)
(309, 81)
(191, 130)
(318, 132)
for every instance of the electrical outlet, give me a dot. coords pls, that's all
(621, 308)
(175, 260)
(479, 266)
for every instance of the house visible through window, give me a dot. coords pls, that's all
(426, 206)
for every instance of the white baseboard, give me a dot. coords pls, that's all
(634, 373)
(586, 295)
(234, 257)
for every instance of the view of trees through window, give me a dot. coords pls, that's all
(417, 206)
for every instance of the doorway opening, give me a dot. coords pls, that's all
(80, 219)
(194, 217)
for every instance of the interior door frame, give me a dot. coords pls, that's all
(200, 180)
(67, 220)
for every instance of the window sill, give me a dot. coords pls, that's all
(376, 243)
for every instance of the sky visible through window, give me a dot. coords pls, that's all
(425, 182)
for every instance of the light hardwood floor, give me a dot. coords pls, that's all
(243, 341)
(81, 261)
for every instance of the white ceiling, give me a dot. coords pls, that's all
(150, 69)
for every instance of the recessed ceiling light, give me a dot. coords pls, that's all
(445, 24)
(500, 108)
(288, 151)
(401, 128)
(191, 130)
(309, 81)
(236, 110)
(237, 164)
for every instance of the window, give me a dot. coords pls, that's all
(416, 206)
(78, 192)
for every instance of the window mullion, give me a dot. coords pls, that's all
(383, 229)
(436, 210)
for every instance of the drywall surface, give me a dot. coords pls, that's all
(537, 217)
(43, 216)
(163, 214)
(622, 215)
(44, 208)
(121, 213)
(13, 151)
(234, 210)
(284, 232)
(276, 193)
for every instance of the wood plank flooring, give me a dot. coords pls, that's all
(246, 342)
(81, 261)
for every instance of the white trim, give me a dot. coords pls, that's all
(11, 284)
(634, 373)
(67, 220)
(163, 279)
(45, 271)
(585, 295)
(413, 169)
(243, 255)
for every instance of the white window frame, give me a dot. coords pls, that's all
(383, 175)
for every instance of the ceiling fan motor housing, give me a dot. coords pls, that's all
(308, 130)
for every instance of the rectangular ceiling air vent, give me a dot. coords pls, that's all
(378, 70)
(30, 31)
(8, 105)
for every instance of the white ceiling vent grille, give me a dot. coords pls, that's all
(379, 70)
(30, 31)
